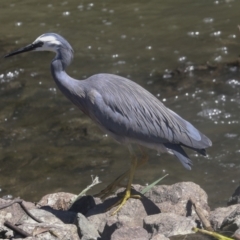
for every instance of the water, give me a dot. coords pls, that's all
(47, 145)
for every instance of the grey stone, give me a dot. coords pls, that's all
(168, 224)
(235, 198)
(46, 231)
(219, 214)
(232, 221)
(84, 204)
(50, 228)
(64, 216)
(12, 214)
(86, 229)
(57, 201)
(176, 198)
(236, 235)
(159, 236)
(42, 215)
(127, 233)
(159, 214)
(130, 215)
(173, 199)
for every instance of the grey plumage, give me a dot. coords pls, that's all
(120, 107)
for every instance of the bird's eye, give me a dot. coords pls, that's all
(39, 44)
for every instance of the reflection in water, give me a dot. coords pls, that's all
(48, 145)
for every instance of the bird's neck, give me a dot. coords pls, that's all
(71, 88)
(59, 75)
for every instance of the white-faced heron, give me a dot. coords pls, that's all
(123, 109)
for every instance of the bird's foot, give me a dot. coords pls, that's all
(123, 200)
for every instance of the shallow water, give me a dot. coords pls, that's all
(47, 145)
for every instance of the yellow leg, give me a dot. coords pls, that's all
(111, 187)
(116, 183)
(127, 194)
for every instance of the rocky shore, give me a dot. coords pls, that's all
(165, 212)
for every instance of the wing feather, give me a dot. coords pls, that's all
(129, 111)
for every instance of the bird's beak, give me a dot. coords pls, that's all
(28, 48)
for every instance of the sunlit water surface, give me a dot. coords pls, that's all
(48, 145)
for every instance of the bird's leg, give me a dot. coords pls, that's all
(127, 194)
(116, 183)
(144, 157)
(111, 187)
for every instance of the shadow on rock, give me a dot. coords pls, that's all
(149, 206)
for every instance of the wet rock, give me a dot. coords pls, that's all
(86, 229)
(219, 214)
(168, 224)
(133, 233)
(235, 198)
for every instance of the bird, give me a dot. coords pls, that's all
(123, 109)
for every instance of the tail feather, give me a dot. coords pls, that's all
(178, 151)
(193, 137)
(200, 151)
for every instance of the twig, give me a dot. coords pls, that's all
(214, 234)
(20, 202)
(203, 219)
(95, 181)
(16, 229)
(28, 213)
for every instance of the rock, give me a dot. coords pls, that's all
(46, 231)
(168, 224)
(159, 236)
(86, 229)
(131, 215)
(172, 199)
(236, 235)
(175, 198)
(12, 214)
(57, 201)
(51, 227)
(133, 233)
(42, 215)
(219, 214)
(5, 233)
(235, 198)
(232, 221)
(84, 204)
(53, 221)
(163, 212)
(64, 216)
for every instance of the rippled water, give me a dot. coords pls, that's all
(47, 145)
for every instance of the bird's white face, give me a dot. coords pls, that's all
(50, 43)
